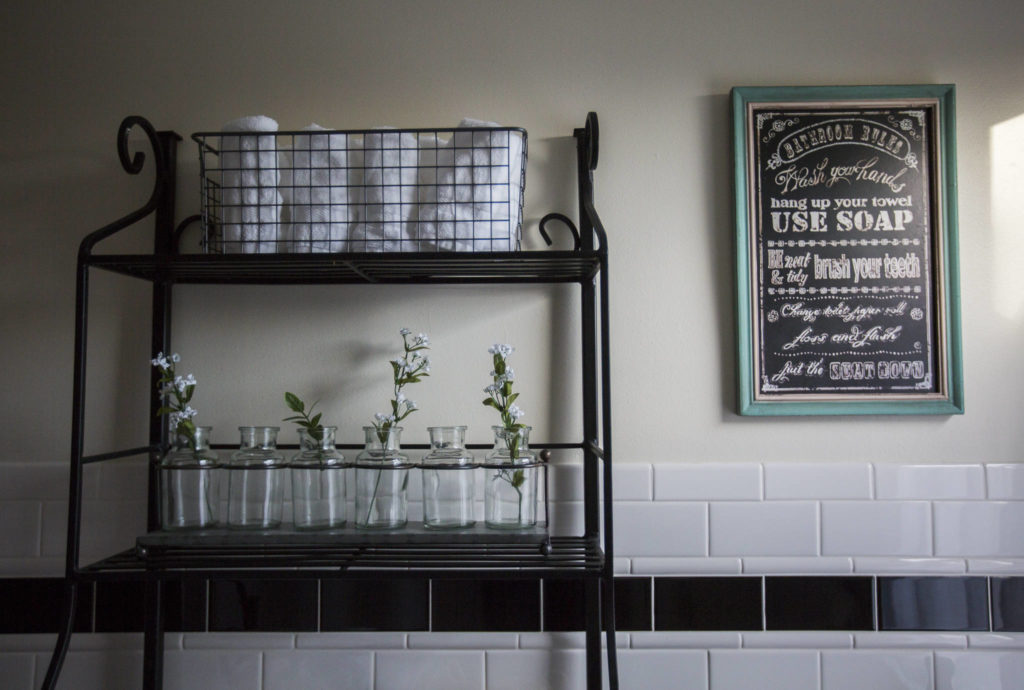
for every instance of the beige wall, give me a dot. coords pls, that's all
(658, 73)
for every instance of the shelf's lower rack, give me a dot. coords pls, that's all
(558, 557)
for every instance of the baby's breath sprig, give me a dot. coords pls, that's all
(501, 398)
(411, 367)
(176, 393)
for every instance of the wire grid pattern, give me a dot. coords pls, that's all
(385, 190)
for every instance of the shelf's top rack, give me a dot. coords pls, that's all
(448, 268)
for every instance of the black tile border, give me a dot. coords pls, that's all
(967, 603)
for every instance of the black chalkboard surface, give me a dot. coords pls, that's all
(844, 250)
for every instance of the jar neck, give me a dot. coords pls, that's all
(447, 437)
(197, 443)
(258, 437)
(505, 439)
(386, 439)
(307, 441)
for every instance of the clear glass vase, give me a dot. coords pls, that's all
(318, 482)
(510, 485)
(189, 483)
(382, 479)
(449, 485)
(256, 480)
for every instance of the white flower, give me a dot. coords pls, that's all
(381, 418)
(514, 412)
(400, 398)
(410, 405)
(502, 349)
(404, 332)
(510, 374)
(175, 358)
(491, 389)
(422, 339)
(161, 361)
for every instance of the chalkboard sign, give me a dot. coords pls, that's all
(847, 253)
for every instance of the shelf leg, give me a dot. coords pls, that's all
(153, 654)
(593, 622)
(608, 616)
(64, 636)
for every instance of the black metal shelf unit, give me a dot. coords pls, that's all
(415, 553)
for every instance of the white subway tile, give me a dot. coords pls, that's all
(687, 566)
(123, 480)
(707, 482)
(857, 670)
(660, 529)
(107, 527)
(620, 566)
(817, 480)
(996, 566)
(566, 518)
(996, 640)
(106, 670)
(11, 642)
(876, 528)
(783, 565)
(18, 670)
(975, 528)
(566, 640)
(20, 528)
(972, 670)
(909, 640)
(779, 528)
(463, 640)
(38, 481)
(301, 669)
(882, 566)
(929, 482)
(798, 640)
(429, 670)
(685, 640)
(40, 566)
(187, 670)
(563, 669)
(232, 640)
(632, 482)
(566, 482)
(763, 669)
(98, 641)
(1005, 481)
(655, 668)
(351, 640)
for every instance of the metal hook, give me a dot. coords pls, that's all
(567, 222)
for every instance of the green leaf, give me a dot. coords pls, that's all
(164, 410)
(315, 422)
(293, 402)
(512, 398)
(490, 403)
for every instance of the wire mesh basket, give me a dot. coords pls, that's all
(381, 190)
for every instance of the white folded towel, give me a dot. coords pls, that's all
(318, 192)
(250, 199)
(470, 190)
(388, 208)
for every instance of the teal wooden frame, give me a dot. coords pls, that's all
(946, 279)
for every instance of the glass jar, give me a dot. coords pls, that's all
(449, 484)
(318, 481)
(189, 483)
(510, 485)
(382, 479)
(256, 480)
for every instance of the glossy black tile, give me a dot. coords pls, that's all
(185, 605)
(267, 606)
(818, 603)
(633, 603)
(120, 606)
(368, 605)
(34, 605)
(564, 605)
(707, 603)
(485, 605)
(1008, 604)
(933, 603)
